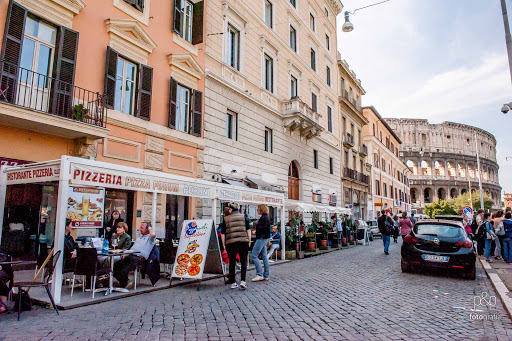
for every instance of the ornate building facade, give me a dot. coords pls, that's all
(443, 160)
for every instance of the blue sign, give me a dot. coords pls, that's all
(467, 211)
(191, 228)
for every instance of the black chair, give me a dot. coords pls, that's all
(87, 265)
(45, 283)
(167, 255)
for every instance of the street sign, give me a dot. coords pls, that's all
(468, 211)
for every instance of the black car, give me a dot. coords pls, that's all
(441, 245)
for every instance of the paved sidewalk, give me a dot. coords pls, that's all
(500, 274)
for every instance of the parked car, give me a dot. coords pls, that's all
(374, 228)
(439, 244)
(449, 217)
(361, 226)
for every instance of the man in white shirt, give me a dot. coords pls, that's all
(339, 228)
(143, 246)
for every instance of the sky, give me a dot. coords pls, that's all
(442, 60)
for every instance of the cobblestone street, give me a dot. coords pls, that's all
(354, 294)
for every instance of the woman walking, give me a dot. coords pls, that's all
(395, 228)
(405, 225)
(260, 246)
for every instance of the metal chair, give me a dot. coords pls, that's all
(87, 265)
(167, 256)
(45, 283)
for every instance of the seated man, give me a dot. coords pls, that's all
(143, 245)
(275, 241)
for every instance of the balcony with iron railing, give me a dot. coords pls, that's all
(348, 140)
(363, 150)
(41, 103)
(356, 176)
(298, 116)
(350, 101)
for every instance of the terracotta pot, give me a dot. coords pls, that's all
(344, 241)
(323, 242)
(311, 246)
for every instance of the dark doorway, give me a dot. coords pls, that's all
(176, 212)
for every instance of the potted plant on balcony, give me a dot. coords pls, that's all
(80, 113)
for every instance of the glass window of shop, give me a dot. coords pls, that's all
(123, 202)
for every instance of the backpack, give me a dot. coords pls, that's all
(500, 229)
(390, 228)
(24, 299)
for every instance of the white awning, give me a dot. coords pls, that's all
(298, 206)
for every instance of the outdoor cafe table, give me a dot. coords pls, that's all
(111, 255)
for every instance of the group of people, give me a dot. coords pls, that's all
(144, 248)
(493, 234)
(236, 237)
(395, 226)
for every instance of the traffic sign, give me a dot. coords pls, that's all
(468, 211)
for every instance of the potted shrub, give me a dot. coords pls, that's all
(80, 113)
(310, 238)
(324, 229)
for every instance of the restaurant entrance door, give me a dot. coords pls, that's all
(123, 202)
(176, 212)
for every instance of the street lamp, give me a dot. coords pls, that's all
(348, 26)
(508, 40)
(506, 107)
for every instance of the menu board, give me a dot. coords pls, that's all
(86, 206)
(192, 249)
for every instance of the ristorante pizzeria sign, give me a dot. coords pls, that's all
(95, 176)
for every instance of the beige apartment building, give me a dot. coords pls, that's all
(271, 97)
(389, 174)
(354, 171)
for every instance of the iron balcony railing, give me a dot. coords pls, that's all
(31, 90)
(348, 139)
(355, 175)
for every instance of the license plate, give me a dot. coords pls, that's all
(434, 258)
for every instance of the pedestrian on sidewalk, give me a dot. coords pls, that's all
(339, 228)
(405, 225)
(260, 246)
(236, 238)
(489, 235)
(480, 232)
(395, 228)
(385, 224)
(500, 232)
(507, 238)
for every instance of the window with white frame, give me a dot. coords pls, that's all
(232, 126)
(233, 47)
(313, 59)
(268, 13)
(315, 158)
(326, 13)
(312, 21)
(293, 87)
(183, 18)
(314, 102)
(293, 38)
(137, 4)
(126, 78)
(183, 98)
(328, 75)
(269, 73)
(294, 3)
(331, 165)
(269, 140)
(329, 119)
(328, 42)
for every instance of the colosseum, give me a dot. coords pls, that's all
(443, 160)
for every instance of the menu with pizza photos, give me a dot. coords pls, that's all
(86, 206)
(192, 249)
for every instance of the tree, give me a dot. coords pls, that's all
(458, 203)
(439, 207)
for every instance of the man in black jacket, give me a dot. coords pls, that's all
(385, 224)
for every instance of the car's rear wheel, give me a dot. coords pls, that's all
(405, 267)
(471, 274)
